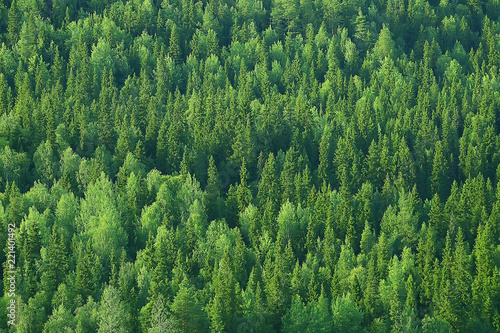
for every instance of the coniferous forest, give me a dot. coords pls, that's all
(250, 166)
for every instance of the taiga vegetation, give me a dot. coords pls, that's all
(251, 166)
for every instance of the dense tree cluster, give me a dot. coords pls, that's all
(251, 166)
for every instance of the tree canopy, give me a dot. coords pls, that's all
(250, 166)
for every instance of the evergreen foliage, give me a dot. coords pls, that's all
(251, 166)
